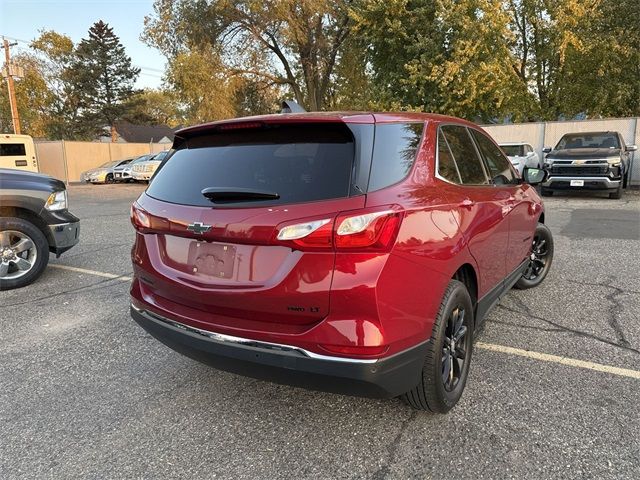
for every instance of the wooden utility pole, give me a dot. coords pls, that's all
(15, 118)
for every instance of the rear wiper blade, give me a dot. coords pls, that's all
(227, 194)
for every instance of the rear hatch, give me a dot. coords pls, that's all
(210, 218)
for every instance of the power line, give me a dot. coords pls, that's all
(150, 69)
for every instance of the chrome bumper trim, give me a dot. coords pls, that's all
(221, 337)
(607, 180)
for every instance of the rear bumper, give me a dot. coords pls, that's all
(590, 183)
(380, 378)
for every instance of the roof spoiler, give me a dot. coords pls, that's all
(290, 106)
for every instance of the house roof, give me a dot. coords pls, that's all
(143, 133)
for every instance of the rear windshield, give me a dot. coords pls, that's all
(301, 163)
(513, 150)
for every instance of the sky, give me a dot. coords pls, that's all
(23, 19)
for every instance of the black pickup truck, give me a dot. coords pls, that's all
(34, 221)
(590, 161)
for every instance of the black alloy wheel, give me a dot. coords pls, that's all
(454, 349)
(540, 258)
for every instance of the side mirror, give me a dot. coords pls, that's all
(632, 148)
(530, 154)
(546, 149)
(534, 176)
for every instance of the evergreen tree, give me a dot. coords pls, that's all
(104, 78)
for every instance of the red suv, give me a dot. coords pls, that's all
(349, 252)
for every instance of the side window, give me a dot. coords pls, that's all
(394, 153)
(527, 149)
(465, 155)
(447, 168)
(12, 149)
(499, 168)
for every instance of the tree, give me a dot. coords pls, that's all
(33, 96)
(56, 53)
(291, 43)
(154, 107)
(447, 56)
(104, 78)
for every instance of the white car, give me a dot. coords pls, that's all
(521, 155)
(123, 172)
(143, 171)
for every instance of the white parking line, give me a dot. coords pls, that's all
(543, 357)
(91, 272)
(572, 362)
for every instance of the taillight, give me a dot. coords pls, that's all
(315, 234)
(370, 231)
(356, 230)
(139, 217)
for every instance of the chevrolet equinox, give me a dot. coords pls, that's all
(349, 252)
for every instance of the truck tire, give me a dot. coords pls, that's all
(24, 252)
(617, 193)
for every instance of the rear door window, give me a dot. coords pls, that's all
(301, 163)
(394, 153)
(465, 155)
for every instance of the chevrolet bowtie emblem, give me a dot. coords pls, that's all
(198, 227)
(579, 162)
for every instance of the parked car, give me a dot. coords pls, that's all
(354, 253)
(104, 173)
(122, 173)
(143, 171)
(521, 155)
(34, 220)
(588, 161)
(18, 152)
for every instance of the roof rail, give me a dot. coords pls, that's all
(290, 106)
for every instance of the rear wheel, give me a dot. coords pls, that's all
(449, 351)
(540, 259)
(24, 253)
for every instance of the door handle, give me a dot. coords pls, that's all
(467, 203)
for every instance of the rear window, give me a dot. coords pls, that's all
(394, 152)
(301, 163)
(513, 150)
(12, 149)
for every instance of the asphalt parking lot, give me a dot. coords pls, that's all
(85, 392)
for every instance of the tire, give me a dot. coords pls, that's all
(617, 193)
(433, 393)
(545, 192)
(12, 231)
(534, 275)
(108, 178)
